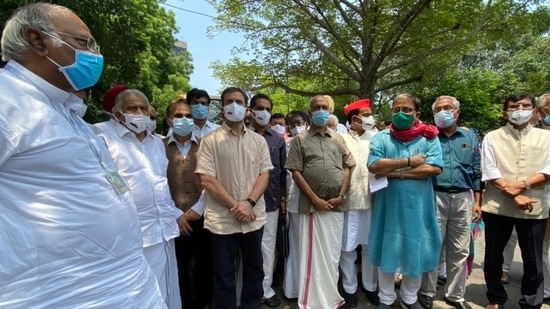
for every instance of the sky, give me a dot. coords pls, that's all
(204, 50)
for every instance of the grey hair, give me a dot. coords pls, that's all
(32, 16)
(454, 101)
(541, 100)
(119, 100)
(335, 118)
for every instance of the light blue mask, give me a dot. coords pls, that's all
(183, 126)
(546, 119)
(320, 118)
(85, 71)
(199, 111)
(444, 119)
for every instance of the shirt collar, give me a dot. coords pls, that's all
(172, 139)
(53, 93)
(327, 133)
(516, 132)
(458, 130)
(229, 130)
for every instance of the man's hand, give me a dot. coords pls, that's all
(524, 202)
(337, 201)
(184, 226)
(477, 213)
(283, 207)
(192, 215)
(512, 189)
(417, 160)
(243, 212)
(322, 205)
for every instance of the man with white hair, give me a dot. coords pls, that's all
(461, 174)
(141, 159)
(70, 232)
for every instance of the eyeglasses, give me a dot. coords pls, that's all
(90, 42)
(406, 110)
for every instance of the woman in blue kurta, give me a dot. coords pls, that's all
(405, 235)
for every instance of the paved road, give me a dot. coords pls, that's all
(475, 289)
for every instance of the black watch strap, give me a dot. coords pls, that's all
(251, 201)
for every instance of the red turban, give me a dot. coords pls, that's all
(363, 103)
(110, 95)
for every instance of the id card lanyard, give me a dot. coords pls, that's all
(81, 129)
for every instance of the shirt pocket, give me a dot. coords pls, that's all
(464, 155)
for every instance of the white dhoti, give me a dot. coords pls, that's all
(356, 232)
(320, 247)
(162, 259)
(292, 262)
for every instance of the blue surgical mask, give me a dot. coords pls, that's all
(320, 118)
(199, 111)
(444, 119)
(183, 126)
(546, 118)
(85, 71)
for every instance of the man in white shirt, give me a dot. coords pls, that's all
(141, 159)
(298, 122)
(70, 234)
(516, 164)
(199, 100)
(357, 218)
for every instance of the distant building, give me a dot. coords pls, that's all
(179, 47)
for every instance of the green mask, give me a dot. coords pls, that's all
(402, 121)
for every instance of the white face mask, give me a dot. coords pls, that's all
(234, 112)
(297, 130)
(262, 117)
(152, 125)
(136, 123)
(279, 129)
(368, 123)
(520, 117)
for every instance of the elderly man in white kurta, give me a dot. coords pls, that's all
(357, 218)
(141, 160)
(69, 232)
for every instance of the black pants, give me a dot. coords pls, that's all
(530, 238)
(225, 249)
(194, 257)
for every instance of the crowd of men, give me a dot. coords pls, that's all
(113, 215)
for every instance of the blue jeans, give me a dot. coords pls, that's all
(225, 249)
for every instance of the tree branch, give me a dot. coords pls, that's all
(349, 22)
(399, 83)
(277, 84)
(335, 60)
(407, 21)
(323, 23)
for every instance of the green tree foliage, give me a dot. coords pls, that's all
(358, 48)
(136, 39)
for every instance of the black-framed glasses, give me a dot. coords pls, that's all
(90, 42)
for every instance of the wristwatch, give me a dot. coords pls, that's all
(527, 185)
(251, 201)
(342, 195)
